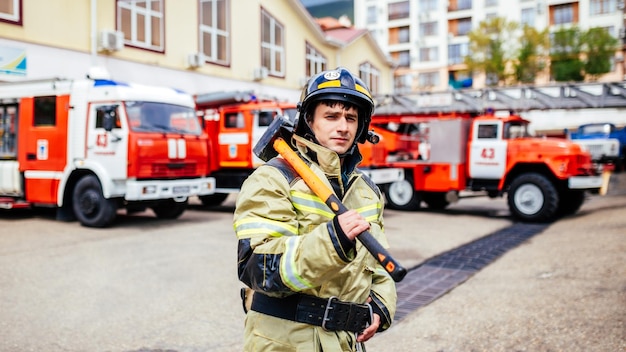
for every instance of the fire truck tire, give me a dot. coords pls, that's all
(570, 201)
(89, 205)
(435, 200)
(401, 195)
(213, 200)
(169, 209)
(533, 198)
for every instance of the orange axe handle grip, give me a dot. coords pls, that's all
(395, 270)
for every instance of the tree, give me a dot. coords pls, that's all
(532, 54)
(600, 48)
(565, 55)
(491, 47)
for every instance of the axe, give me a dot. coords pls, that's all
(273, 143)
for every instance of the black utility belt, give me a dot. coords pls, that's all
(331, 314)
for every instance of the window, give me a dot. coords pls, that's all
(429, 54)
(528, 17)
(429, 79)
(142, 23)
(215, 31)
(315, 61)
(597, 7)
(11, 11)
(266, 117)
(403, 58)
(399, 35)
(428, 5)
(8, 130)
(272, 45)
(403, 83)
(234, 120)
(464, 4)
(101, 113)
(428, 29)
(487, 131)
(456, 53)
(464, 26)
(370, 76)
(563, 14)
(372, 15)
(45, 111)
(398, 10)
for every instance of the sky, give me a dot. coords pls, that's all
(307, 3)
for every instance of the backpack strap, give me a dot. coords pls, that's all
(283, 166)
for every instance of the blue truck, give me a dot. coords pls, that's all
(605, 141)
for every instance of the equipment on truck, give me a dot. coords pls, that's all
(234, 121)
(91, 146)
(543, 177)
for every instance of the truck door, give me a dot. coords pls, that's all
(261, 120)
(487, 151)
(108, 149)
(42, 146)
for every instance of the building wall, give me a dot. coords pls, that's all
(60, 40)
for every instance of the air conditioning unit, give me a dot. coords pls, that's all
(111, 40)
(260, 73)
(622, 33)
(620, 4)
(195, 60)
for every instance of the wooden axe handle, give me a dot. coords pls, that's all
(318, 187)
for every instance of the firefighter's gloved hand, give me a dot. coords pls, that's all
(352, 224)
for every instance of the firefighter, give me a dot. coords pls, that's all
(313, 286)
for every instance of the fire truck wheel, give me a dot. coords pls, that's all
(90, 206)
(169, 209)
(435, 200)
(533, 198)
(570, 201)
(402, 196)
(213, 200)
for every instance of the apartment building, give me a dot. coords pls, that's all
(199, 46)
(428, 38)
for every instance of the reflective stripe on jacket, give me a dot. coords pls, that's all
(288, 244)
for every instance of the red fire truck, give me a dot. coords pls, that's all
(234, 121)
(543, 177)
(89, 147)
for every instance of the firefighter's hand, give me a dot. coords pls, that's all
(352, 224)
(369, 332)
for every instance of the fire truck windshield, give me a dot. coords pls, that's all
(514, 130)
(144, 116)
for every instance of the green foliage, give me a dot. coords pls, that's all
(531, 55)
(490, 48)
(601, 47)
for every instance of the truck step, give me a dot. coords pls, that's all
(12, 203)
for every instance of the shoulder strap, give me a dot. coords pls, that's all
(369, 182)
(283, 166)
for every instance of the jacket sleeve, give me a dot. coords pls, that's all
(274, 257)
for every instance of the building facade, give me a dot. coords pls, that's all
(428, 39)
(269, 46)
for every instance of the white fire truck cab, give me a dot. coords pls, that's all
(90, 147)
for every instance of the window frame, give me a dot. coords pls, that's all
(275, 50)
(14, 17)
(130, 38)
(215, 33)
(315, 61)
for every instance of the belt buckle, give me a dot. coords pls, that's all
(327, 310)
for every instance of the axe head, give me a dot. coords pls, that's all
(281, 126)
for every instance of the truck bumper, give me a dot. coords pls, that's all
(585, 182)
(165, 189)
(384, 175)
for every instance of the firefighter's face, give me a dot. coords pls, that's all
(335, 126)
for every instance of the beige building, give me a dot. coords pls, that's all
(200, 46)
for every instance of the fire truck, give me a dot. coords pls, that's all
(544, 177)
(89, 147)
(234, 121)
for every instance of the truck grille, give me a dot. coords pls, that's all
(168, 170)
